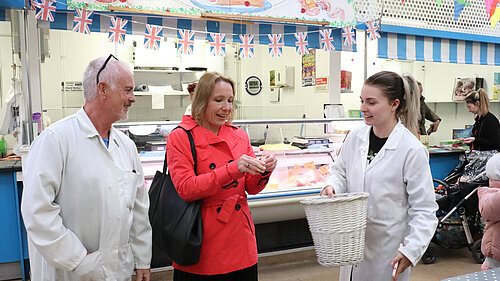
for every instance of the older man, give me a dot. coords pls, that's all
(84, 203)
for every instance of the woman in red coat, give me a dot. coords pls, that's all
(227, 170)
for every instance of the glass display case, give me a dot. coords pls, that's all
(305, 149)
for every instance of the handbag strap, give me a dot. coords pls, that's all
(193, 151)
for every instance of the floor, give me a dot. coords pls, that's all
(302, 266)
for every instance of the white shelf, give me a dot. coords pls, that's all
(164, 71)
(173, 93)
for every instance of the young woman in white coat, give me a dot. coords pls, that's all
(385, 159)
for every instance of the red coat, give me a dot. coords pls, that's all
(228, 231)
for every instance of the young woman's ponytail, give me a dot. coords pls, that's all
(410, 114)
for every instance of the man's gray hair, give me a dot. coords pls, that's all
(109, 74)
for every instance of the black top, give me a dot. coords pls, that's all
(375, 145)
(486, 132)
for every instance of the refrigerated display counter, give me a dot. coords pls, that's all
(298, 174)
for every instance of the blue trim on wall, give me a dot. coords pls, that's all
(401, 46)
(2, 15)
(419, 48)
(382, 46)
(439, 33)
(184, 24)
(61, 21)
(128, 27)
(289, 39)
(238, 29)
(468, 52)
(453, 50)
(436, 49)
(12, 4)
(154, 21)
(264, 30)
(484, 53)
(96, 23)
(313, 37)
(497, 54)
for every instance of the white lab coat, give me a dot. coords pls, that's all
(80, 196)
(401, 206)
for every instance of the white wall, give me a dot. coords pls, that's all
(6, 71)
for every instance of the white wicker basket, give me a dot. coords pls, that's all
(338, 227)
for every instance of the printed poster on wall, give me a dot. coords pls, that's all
(309, 69)
(338, 13)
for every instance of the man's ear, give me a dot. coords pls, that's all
(101, 88)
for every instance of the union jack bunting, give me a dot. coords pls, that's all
(217, 44)
(246, 46)
(185, 41)
(117, 30)
(34, 4)
(327, 40)
(276, 45)
(83, 20)
(301, 43)
(45, 9)
(152, 39)
(372, 30)
(348, 35)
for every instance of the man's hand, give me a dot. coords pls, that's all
(143, 275)
(402, 264)
(434, 126)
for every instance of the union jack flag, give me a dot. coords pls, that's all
(34, 4)
(83, 20)
(372, 30)
(153, 36)
(348, 35)
(327, 40)
(45, 9)
(276, 45)
(301, 43)
(117, 30)
(246, 46)
(217, 44)
(185, 41)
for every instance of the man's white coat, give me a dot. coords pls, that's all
(80, 197)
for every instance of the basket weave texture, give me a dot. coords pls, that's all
(338, 227)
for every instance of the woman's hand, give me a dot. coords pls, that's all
(270, 162)
(402, 264)
(328, 190)
(247, 164)
(468, 140)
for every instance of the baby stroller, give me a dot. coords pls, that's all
(460, 224)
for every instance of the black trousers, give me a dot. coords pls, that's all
(246, 274)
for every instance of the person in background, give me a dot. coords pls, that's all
(190, 89)
(486, 129)
(227, 170)
(84, 204)
(386, 160)
(489, 206)
(426, 113)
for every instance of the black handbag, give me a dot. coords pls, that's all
(177, 224)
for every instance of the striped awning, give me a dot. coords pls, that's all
(101, 21)
(421, 48)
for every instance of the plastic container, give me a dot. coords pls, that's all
(338, 227)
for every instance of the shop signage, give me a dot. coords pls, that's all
(337, 12)
(309, 69)
(321, 85)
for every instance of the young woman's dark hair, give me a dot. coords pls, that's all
(403, 88)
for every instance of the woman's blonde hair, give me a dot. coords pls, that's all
(403, 88)
(203, 92)
(479, 96)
